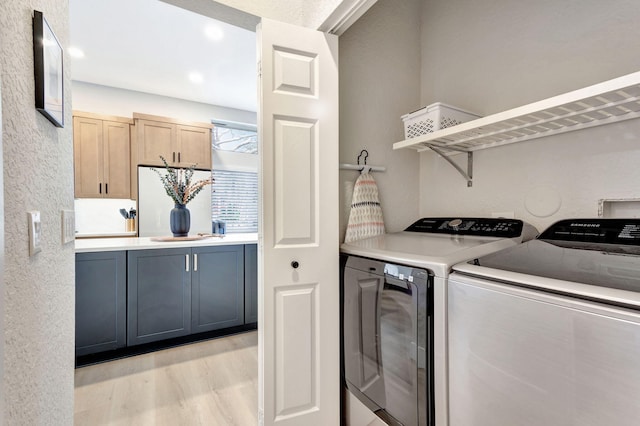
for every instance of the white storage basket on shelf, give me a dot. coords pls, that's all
(434, 117)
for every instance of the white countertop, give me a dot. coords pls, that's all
(106, 234)
(114, 244)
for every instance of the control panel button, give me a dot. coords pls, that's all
(455, 223)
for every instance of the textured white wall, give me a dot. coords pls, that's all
(245, 13)
(494, 55)
(305, 13)
(38, 175)
(110, 100)
(2, 261)
(380, 81)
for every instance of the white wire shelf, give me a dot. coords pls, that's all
(603, 103)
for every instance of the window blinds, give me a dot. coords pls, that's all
(234, 200)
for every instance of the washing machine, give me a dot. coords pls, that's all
(548, 332)
(394, 313)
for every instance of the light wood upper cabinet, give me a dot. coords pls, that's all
(155, 139)
(117, 159)
(194, 146)
(182, 144)
(101, 156)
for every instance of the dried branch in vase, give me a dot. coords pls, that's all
(178, 183)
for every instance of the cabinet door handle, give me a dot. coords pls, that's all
(100, 188)
(186, 264)
(174, 157)
(106, 188)
(195, 263)
(178, 157)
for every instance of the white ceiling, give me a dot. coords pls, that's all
(151, 46)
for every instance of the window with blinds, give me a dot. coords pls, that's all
(233, 136)
(234, 200)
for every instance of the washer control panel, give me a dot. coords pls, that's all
(487, 227)
(600, 231)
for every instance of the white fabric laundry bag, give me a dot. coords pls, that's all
(365, 216)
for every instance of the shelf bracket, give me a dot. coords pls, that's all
(468, 175)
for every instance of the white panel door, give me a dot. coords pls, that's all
(299, 277)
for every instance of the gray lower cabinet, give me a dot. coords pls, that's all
(101, 285)
(217, 288)
(250, 283)
(159, 294)
(142, 296)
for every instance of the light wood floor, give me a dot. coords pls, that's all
(214, 382)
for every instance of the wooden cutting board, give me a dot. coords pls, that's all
(187, 238)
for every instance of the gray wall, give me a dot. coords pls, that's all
(38, 175)
(494, 55)
(491, 55)
(380, 81)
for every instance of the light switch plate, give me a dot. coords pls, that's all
(35, 232)
(68, 226)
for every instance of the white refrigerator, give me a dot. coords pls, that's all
(154, 205)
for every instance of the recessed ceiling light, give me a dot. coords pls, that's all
(214, 33)
(196, 77)
(74, 52)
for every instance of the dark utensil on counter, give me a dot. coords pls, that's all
(124, 213)
(132, 213)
